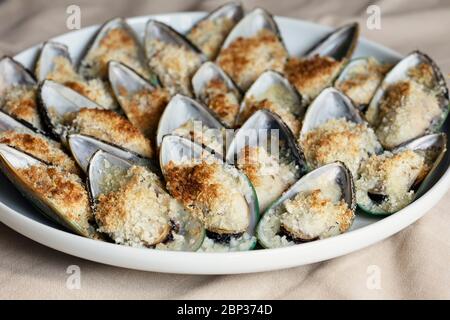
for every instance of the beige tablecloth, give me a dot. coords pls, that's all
(415, 263)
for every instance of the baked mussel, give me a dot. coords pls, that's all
(411, 101)
(172, 57)
(321, 64)
(360, 79)
(55, 63)
(209, 33)
(319, 205)
(58, 194)
(65, 111)
(333, 130)
(215, 192)
(272, 91)
(265, 149)
(188, 118)
(390, 181)
(214, 88)
(252, 47)
(18, 92)
(132, 207)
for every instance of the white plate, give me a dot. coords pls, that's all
(18, 214)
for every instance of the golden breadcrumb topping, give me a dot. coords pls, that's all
(138, 212)
(270, 176)
(20, 102)
(405, 112)
(310, 215)
(144, 108)
(311, 75)
(173, 64)
(211, 193)
(117, 44)
(40, 147)
(209, 34)
(362, 81)
(222, 101)
(63, 190)
(339, 139)
(390, 175)
(108, 126)
(246, 58)
(63, 72)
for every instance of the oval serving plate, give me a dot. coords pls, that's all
(18, 214)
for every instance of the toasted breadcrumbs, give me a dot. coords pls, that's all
(270, 176)
(138, 212)
(423, 73)
(173, 64)
(311, 75)
(108, 126)
(40, 147)
(65, 191)
(144, 108)
(311, 215)
(212, 193)
(202, 134)
(95, 89)
(339, 140)
(209, 34)
(390, 175)
(405, 112)
(222, 101)
(20, 102)
(293, 220)
(246, 58)
(278, 100)
(117, 44)
(362, 81)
